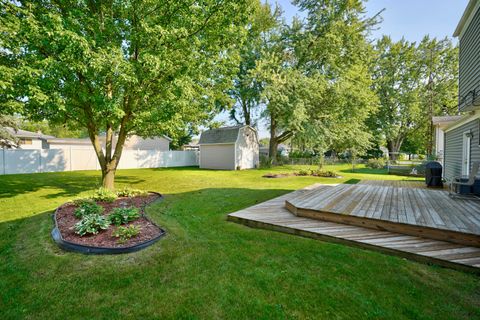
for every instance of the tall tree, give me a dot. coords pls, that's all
(397, 81)
(142, 67)
(439, 91)
(247, 88)
(413, 83)
(316, 75)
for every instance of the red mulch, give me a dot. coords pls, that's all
(66, 221)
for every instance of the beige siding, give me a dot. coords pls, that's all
(71, 145)
(157, 143)
(247, 149)
(217, 156)
(36, 144)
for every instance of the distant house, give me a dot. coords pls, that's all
(65, 143)
(282, 150)
(191, 147)
(30, 140)
(37, 141)
(229, 148)
(461, 135)
(161, 143)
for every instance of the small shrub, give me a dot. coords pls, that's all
(123, 215)
(129, 192)
(265, 162)
(324, 173)
(103, 194)
(375, 163)
(91, 224)
(125, 233)
(303, 173)
(87, 207)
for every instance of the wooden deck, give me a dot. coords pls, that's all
(413, 211)
(397, 183)
(273, 215)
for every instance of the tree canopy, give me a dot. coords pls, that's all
(153, 67)
(413, 83)
(315, 73)
(120, 67)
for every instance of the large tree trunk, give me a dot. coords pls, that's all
(108, 161)
(275, 140)
(108, 179)
(246, 112)
(273, 149)
(273, 143)
(394, 147)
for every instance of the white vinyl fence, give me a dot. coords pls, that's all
(72, 159)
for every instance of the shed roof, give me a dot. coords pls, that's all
(221, 135)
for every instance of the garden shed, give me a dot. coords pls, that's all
(229, 148)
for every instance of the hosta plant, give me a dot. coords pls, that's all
(104, 194)
(125, 233)
(129, 192)
(91, 224)
(123, 215)
(87, 207)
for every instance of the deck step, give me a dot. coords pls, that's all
(413, 211)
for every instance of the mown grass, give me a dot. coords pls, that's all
(207, 267)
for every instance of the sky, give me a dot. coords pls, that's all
(411, 19)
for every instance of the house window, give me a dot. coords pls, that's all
(25, 141)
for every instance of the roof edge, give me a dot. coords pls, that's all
(465, 17)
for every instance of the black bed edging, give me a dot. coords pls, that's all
(70, 246)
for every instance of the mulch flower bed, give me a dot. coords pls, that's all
(66, 221)
(276, 175)
(295, 174)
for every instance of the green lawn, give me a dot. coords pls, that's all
(207, 267)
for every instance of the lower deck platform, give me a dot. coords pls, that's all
(273, 215)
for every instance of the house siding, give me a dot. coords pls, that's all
(469, 65)
(453, 148)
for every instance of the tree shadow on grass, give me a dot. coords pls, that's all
(193, 209)
(67, 183)
(352, 181)
(191, 168)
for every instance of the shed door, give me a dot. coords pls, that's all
(220, 156)
(467, 136)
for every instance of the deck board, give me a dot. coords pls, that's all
(413, 210)
(273, 215)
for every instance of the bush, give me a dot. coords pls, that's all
(303, 173)
(125, 233)
(324, 173)
(123, 215)
(301, 154)
(129, 192)
(265, 162)
(87, 207)
(91, 224)
(103, 194)
(375, 163)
